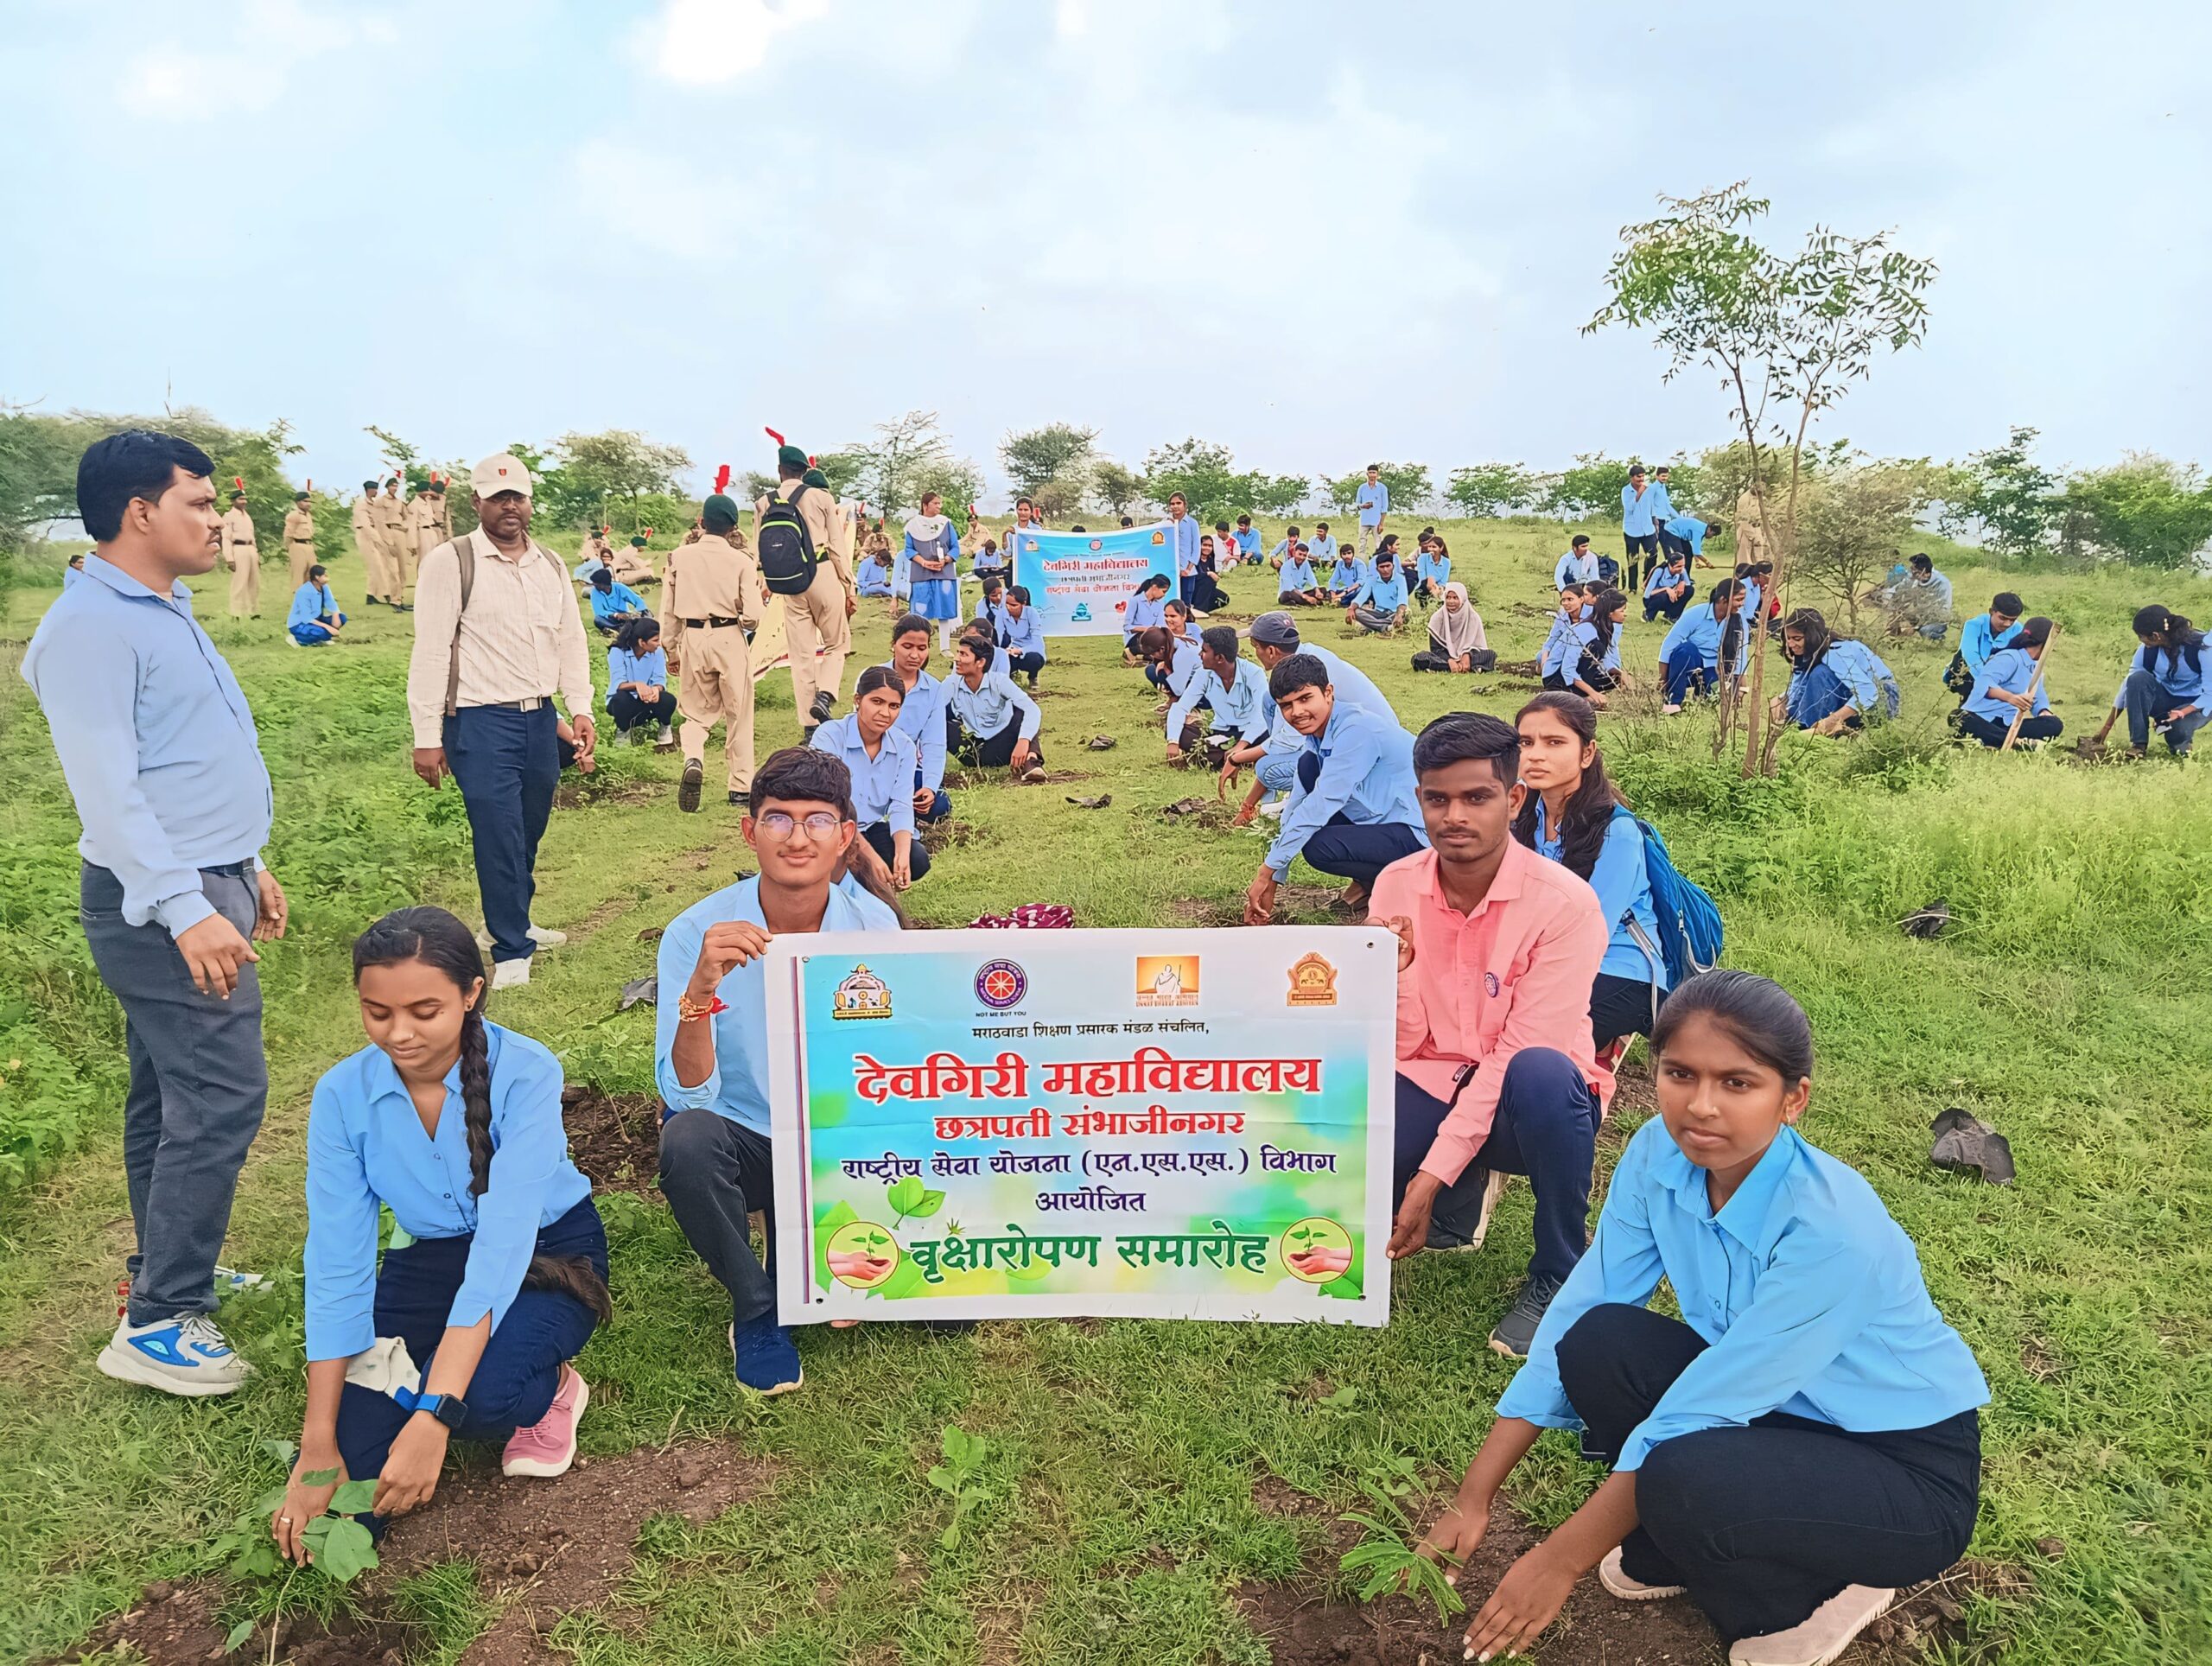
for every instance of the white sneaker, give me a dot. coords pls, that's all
(1821, 1638)
(1670, 711)
(188, 1357)
(1616, 1580)
(546, 937)
(511, 974)
(229, 1281)
(1274, 808)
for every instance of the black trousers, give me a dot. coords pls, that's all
(715, 1172)
(1656, 604)
(878, 835)
(1765, 1523)
(628, 710)
(1435, 660)
(1991, 733)
(1028, 664)
(1587, 672)
(991, 751)
(1621, 1006)
(1352, 851)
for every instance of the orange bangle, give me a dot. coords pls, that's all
(688, 1011)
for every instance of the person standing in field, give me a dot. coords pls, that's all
(243, 555)
(1639, 529)
(299, 537)
(929, 558)
(1373, 502)
(804, 545)
(158, 746)
(368, 542)
(499, 635)
(398, 542)
(1183, 534)
(714, 593)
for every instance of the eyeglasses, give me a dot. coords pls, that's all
(818, 823)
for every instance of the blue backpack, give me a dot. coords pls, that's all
(1690, 933)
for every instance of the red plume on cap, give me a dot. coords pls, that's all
(722, 478)
(811, 460)
(772, 433)
(647, 530)
(238, 481)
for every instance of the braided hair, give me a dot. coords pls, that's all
(441, 942)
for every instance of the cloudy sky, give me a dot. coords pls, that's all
(1312, 232)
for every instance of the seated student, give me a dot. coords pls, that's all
(1233, 689)
(1145, 608)
(1578, 566)
(629, 565)
(1248, 542)
(876, 573)
(1225, 546)
(1687, 533)
(1432, 572)
(74, 573)
(1457, 641)
(1299, 586)
(1592, 650)
(1921, 602)
(1380, 605)
(637, 683)
(1498, 952)
(990, 609)
(1574, 816)
(1284, 548)
(1177, 667)
(1804, 1438)
(883, 762)
(1322, 545)
(1690, 657)
(2165, 685)
(1275, 638)
(1747, 576)
(1836, 683)
(711, 1035)
(1206, 595)
(454, 1125)
(613, 606)
(1561, 639)
(1355, 815)
(1022, 634)
(1667, 590)
(989, 560)
(1175, 621)
(594, 559)
(1346, 574)
(2009, 684)
(922, 714)
(1981, 636)
(989, 722)
(315, 620)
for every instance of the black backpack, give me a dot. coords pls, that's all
(785, 546)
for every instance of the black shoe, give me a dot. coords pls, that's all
(1517, 1333)
(740, 797)
(823, 700)
(806, 734)
(687, 795)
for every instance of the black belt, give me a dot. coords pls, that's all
(510, 705)
(241, 543)
(710, 622)
(229, 870)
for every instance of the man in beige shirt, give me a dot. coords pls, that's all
(629, 565)
(243, 556)
(368, 541)
(496, 635)
(399, 541)
(816, 621)
(713, 592)
(299, 537)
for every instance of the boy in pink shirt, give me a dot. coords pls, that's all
(1499, 951)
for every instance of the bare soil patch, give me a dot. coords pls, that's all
(614, 1138)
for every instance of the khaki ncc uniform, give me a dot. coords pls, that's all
(433, 523)
(629, 566)
(299, 544)
(713, 586)
(244, 558)
(368, 539)
(399, 554)
(1751, 544)
(817, 620)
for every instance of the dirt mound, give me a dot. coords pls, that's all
(614, 1138)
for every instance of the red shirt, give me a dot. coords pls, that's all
(1515, 973)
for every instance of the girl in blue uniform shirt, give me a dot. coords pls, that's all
(1668, 589)
(637, 683)
(1176, 669)
(1804, 1440)
(875, 576)
(990, 608)
(314, 620)
(2007, 687)
(921, 714)
(1022, 634)
(1574, 816)
(883, 762)
(1835, 681)
(1586, 655)
(932, 556)
(1432, 572)
(1175, 623)
(2164, 689)
(454, 1125)
(1690, 657)
(1146, 607)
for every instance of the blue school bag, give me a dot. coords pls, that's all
(1690, 933)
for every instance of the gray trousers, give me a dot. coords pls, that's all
(199, 1084)
(714, 1173)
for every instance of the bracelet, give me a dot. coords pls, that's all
(689, 1011)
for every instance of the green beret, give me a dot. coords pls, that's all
(789, 454)
(719, 507)
(637, 543)
(815, 477)
(299, 497)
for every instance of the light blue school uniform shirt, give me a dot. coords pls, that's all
(1022, 635)
(991, 705)
(1663, 502)
(625, 666)
(1183, 534)
(737, 1087)
(71, 577)
(1810, 1294)
(1322, 547)
(1385, 595)
(1977, 640)
(883, 786)
(1621, 880)
(1296, 576)
(921, 720)
(1698, 625)
(311, 604)
(1434, 569)
(1367, 775)
(1353, 686)
(1248, 543)
(1142, 613)
(583, 569)
(155, 741)
(1571, 569)
(617, 598)
(1936, 585)
(1373, 502)
(365, 1147)
(1635, 512)
(1347, 573)
(1856, 677)
(875, 579)
(1560, 645)
(2011, 670)
(1242, 705)
(1749, 607)
(1690, 530)
(1664, 578)
(2173, 673)
(1185, 675)
(990, 612)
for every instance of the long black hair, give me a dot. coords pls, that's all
(1608, 602)
(642, 629)
(1812, 625)
(1590, 807)
(2162, 620)
(1762, 1015)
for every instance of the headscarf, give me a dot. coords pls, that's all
(1460, 632)
(928, 533)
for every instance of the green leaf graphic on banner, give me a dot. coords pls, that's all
(906, 1196)
(825, 1229)
(907, 1280)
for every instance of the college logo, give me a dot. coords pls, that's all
(1490, 984)
(862, 995)
(1160, 537)
(1098, 543)
(1167, 980)
(1313, 983)
(1001, 984)
(1082, 613)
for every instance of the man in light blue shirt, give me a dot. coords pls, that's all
(1346, 574)
(613, 604)
(1322, 546)
(1578, 566)
(1285, 548)
(1022, 634)
(1183, 532)
(710, 1036)
(1275, 638)
(1234, 689)
(1357, 813)
(1981, 636)
(1380, 605)
(1373, 502)
(1297, 585)
(1247, 540)
(1685, 533)
(998, 722)
(158, 746)
(1639, 531)
(1663, 500)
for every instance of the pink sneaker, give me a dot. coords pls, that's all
(548, 1447)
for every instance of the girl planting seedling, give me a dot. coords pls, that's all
(1804, 1438)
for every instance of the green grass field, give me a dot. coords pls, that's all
(1137, 1470)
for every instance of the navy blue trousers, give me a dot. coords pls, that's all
(1685, 672)
(506, 765)
(1546, 1128)
(1351, 850)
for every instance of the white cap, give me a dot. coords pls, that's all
(504, 473)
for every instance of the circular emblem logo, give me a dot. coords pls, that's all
(1001, 984)
(1098, 543)
(1490, 983)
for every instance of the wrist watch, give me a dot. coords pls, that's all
(448, 1408)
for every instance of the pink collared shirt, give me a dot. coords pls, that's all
(1515, 973)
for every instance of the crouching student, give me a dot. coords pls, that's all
(1177, 625)
(1457, 641)
(2009, 685)
(454, 1125)
(2164, 689)
(1297, 587)
(1804, 1440)
(1587, 656)
(1667, 590)
(1022, 634)
(874, 577)
(1497, 950)
(921, 714)
(612, 604)
(1354, 814)
(1573, 816)
(1234, 689)
(637, 683)
(711, 1039)
(1144, 610)
(314, 620)
(1689, 659)
(988, 722)
(1835, 681)
(881, 758)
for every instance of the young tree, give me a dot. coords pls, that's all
(1206, 474)
(908, 456)
(1787, 337)
(1852, 517)
(2146, 509)
(1590, 489)
(2013, 501)
(1057, 452)
(1491, 489)
(1116, 485)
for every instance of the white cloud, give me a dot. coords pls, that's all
(265, 42)
(1071, 18)
(704, 42)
